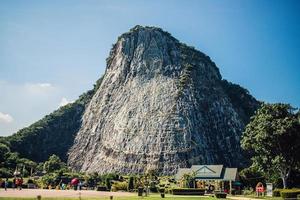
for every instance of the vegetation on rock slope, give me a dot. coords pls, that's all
(54, 134)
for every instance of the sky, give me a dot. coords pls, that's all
(54, 50)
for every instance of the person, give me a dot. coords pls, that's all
(19, 183)
(79, 185)
(14, 183)
(63, 186)
(6, 184)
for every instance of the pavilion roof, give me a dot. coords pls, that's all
(209, 172)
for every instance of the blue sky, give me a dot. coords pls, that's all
(52, 51)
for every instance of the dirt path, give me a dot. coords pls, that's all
(60, 193)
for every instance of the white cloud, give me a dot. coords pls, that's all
(64, 102)
(5, 118)
(26, 103)
(39, 87)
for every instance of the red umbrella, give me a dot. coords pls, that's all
(74, 181)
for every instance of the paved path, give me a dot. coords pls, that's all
(60, 193)
(242, 198)
(83, 193)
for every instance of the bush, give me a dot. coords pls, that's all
(276, 192)
(101, 188)
(30, 181)
(220, 195)
(249, 192)
(153, 187)
(130, 184)
(188, 191)
(162, 190)
(119, 186)
(108, 183)
(292, 193)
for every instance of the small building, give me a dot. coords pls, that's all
(210, 177)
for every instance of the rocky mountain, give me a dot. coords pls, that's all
(161, 104)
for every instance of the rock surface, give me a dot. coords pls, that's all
(161, 105)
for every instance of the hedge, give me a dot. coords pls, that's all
(188, 191)
(220, 195)
(292, 193)
(276, 192)
(101, 188)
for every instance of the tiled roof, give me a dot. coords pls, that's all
(212, 171)
(230, 174)
(208, 172)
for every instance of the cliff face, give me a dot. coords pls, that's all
(161, 105)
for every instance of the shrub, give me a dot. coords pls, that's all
(292, 193)
(161, 190)
(131, 184)
(101, 188)
(188, 191)
(30, 181)
(220, 195)
(249, 192)
(153, 187)
(119, 186)
(108, 183)
(276, 192)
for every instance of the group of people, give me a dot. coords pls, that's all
(16, 183)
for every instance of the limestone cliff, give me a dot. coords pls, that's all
(161, 105)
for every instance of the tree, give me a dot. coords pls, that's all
(251, 176)
(4, 150)
(273, 138)
(27, 164)
(53, 163)
(108, 183)
(188, 180)
(131, 184)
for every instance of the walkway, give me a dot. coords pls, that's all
(60, 193)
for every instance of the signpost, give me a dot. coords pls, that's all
(269, 189)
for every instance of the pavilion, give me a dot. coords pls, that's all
(210, 177)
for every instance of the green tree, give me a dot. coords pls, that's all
(251, 176)
(53, 163)
(131, 184)
(273, 138)
(12, 160)
(108, 183)
(27, 164)
(4, 150)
